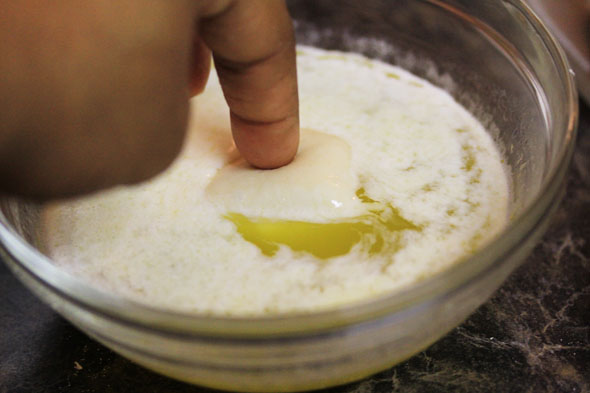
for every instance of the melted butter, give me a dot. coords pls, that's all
(377, 231)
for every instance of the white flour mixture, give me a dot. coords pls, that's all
(394, 182)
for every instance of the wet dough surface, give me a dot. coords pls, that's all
(318, 183)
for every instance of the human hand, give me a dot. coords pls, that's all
(95, 94)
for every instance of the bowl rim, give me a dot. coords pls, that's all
(28, 260)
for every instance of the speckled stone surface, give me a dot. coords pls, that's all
(532, 336)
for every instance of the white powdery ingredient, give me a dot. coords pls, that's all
(166, 244)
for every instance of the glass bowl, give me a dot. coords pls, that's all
(497, 59)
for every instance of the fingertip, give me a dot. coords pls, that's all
(266, 145)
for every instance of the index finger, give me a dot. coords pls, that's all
(253, 46)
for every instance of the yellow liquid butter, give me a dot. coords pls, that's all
(376, 230)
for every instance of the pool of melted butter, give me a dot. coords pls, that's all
(377, 231)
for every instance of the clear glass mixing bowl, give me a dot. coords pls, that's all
(498, 60)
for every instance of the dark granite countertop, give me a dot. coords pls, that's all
(532, 336)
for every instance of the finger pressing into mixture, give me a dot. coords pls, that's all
(254, 51)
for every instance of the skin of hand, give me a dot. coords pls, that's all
(95, 94)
